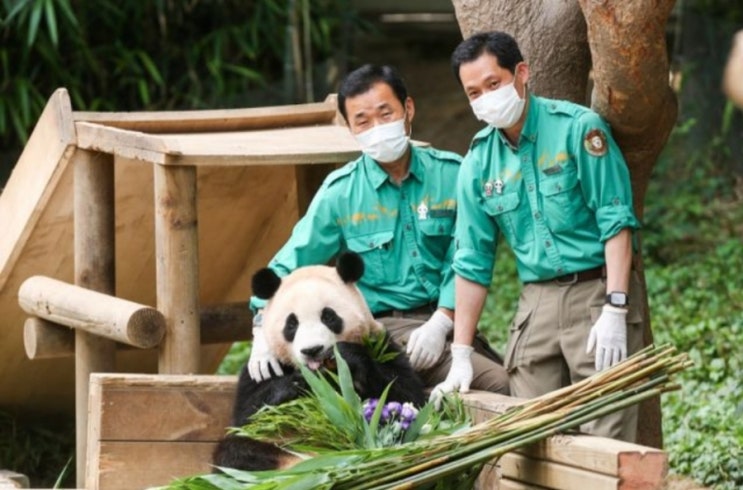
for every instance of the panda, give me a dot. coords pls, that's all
(309, 312)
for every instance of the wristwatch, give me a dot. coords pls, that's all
(618, 299)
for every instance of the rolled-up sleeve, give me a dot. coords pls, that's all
(604, 178)
(476, 234)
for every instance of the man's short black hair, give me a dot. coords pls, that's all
(499, 44)
(361, 80)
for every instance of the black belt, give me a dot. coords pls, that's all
(428, 308)
(574, 277)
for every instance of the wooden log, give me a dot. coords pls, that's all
(95, 259)
(220, 324)
(177, 267)
(105, 316)
(556, 476)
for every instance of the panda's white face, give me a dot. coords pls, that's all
(311, 311)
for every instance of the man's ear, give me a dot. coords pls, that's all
(410, 111)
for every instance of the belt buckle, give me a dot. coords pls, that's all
(567, 279)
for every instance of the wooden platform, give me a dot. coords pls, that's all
(176, 421)
(250, 194)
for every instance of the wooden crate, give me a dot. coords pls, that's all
(146, 430)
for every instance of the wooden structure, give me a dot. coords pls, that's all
(193, 411)
(130, 229)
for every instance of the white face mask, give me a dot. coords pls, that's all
(386, 142)
(501, 108)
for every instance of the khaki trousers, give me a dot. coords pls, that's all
(488, 371)
(547, 343)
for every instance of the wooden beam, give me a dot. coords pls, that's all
(220, 324)
(215, 120)
(177, 267)
(34, 177)
(102, 315)
(95, 259)
(276, 146)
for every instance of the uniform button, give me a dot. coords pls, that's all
(616, 201)
(548, 244)
(531, 187)
(408, 227)
(537, 215)
(415, 254)
(558, 187)
(500, 208)
(371, 244)
(559, 270)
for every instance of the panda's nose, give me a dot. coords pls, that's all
(312, 352)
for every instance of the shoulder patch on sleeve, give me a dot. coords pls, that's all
(481, 135)
(340, 173)
(448, 156)
(595, 142)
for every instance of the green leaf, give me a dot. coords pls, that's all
(33, 27)
(51, 21)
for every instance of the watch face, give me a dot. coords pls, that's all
(617, 299)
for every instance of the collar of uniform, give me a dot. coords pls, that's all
(529, 131)
(378, 176)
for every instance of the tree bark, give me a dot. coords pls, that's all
(551, 35)
(631, 91)
(630, 84)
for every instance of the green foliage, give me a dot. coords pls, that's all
(41, 451)
(113, 55)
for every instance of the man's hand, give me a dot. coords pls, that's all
(426, 343)
(261, 357)
(609, 337)
(460, 374)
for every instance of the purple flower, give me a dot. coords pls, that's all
(369, 406)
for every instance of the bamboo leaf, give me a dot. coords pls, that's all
(33, 26)
(51, 21)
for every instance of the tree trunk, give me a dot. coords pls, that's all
(630, 78)
(631, 91)
(551, 35)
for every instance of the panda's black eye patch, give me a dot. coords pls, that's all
(290, 327)
(331, 319)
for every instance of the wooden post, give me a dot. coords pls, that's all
(177, 267)
(94, 225)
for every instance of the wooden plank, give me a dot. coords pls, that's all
(135, 465)
(34, 176)
(278, 146)
(640, 466)
(192, 408)
(176, 247)
(508, 484)
(554, 475)
(215, 120)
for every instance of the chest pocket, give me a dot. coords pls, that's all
(562, 201)
(375, 250)
(436, 235)
(512, 220)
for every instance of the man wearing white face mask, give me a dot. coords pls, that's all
(547, 177)
(395, 205)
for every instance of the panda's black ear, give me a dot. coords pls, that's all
(350, 266)
(265, 283)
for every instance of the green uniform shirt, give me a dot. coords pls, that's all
(403, 233)
(555, 199)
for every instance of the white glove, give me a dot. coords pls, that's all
(426, 343)
(261, 357)
(609, 337)
(460, 374)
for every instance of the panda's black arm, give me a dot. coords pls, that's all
(251, 396)
(371, 377)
